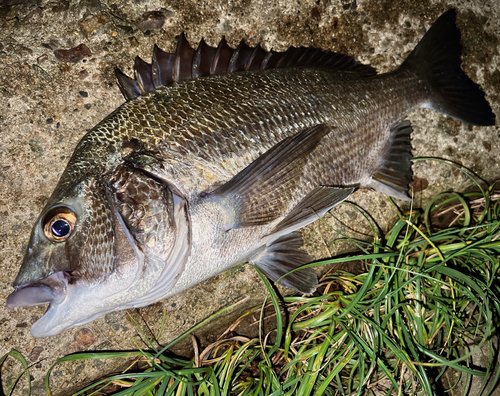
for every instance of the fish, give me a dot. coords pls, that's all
(218, 157)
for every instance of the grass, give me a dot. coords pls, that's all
(426, 302)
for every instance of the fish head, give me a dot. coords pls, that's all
(101, 246)
(76, 220)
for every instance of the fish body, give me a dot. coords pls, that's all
(222, 164)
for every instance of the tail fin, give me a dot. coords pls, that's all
(437, 59)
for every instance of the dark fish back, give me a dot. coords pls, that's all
(227, 121)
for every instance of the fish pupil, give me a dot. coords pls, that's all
(60, 228)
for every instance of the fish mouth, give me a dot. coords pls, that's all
(52, 289)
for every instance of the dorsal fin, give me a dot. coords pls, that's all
(143, 75)
(186, 63)
(205, 53)
(183, 60)
(128, 86)
(221, 59)
(162, 67)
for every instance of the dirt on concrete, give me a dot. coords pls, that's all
(57, 62)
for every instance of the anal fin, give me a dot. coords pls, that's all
(284, 255)
(394, 173)
(314, 205)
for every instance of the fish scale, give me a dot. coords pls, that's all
(217, 158)
(212, 132)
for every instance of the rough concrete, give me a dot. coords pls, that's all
(49, 98)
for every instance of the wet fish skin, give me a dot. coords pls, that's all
(220, 153)
(200, 126)
(186, 181)
(221, 140)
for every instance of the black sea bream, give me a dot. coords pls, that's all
(217, 157)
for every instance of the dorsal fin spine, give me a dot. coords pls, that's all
(127, 85)
(259, 56)
(305, 55)
(266, 60)
(325, 55)
(232, 62)
(143, 75)
(215, 61)
(155, 69)
(195, 67)
(183, 60)
(250, 59)
(221, 60)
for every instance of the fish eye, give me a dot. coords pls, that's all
(59, 224)
(60, 228)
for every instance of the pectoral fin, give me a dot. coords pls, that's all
(314, 205)
(258, 191)
(284, 255)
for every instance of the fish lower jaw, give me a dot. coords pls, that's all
(51, 289)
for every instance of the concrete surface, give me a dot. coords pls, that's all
(48, 102)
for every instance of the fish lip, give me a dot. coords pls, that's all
(52, 289)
